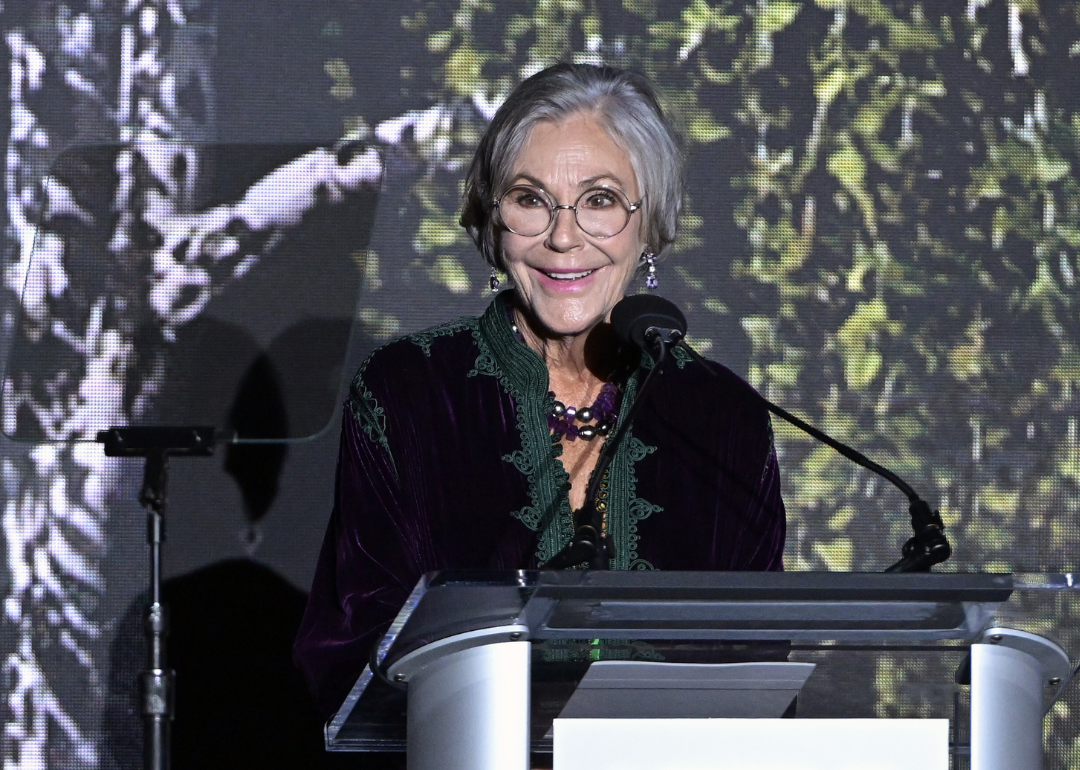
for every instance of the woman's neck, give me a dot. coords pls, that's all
(577, 364)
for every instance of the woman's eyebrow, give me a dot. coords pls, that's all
(594, 179)
(584, 183)
(527, 178)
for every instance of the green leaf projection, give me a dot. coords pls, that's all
(881, 234)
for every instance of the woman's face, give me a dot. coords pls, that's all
(567, 278)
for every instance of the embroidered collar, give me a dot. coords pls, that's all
(524, 376)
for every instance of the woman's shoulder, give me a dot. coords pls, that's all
(409, 367)
(445, 340)
(704, 372)
(702, 384)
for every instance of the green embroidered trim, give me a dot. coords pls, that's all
(366, 410)
(625, 508)
(427, 336)
(621, 508)
(485, 364)
(525, 378)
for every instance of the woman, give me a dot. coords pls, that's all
(469, 445)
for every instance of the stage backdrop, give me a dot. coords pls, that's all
(214, 210)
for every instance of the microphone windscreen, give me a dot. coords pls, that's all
(631, 316)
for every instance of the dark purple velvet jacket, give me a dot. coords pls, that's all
(446, 461)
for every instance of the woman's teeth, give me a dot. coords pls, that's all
(568, 276)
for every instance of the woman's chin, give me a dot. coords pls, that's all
(567, 324)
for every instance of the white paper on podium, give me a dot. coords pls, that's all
(645, 689)
(751, 744)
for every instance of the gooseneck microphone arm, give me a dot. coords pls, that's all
(928, 546)
(589, 543)
(653, 323)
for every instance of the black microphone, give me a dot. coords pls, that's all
(645, 319)
(652, 323)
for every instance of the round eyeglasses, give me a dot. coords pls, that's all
(601, 212)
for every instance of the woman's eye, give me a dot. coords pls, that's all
(600, 199)
(529, 200)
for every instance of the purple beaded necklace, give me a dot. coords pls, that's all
(561, 419)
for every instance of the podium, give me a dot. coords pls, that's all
(478, 666)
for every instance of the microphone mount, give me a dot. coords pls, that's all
(156, 681)
(655, 335)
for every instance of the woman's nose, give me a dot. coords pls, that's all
(565, 233)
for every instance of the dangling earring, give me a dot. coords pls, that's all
(651, 281)
(493, 282)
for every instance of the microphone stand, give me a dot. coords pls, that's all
(156, 698)
(928, 546)
(589, 543)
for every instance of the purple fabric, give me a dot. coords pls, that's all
(425, 481)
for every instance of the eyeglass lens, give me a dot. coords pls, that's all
(601, 211)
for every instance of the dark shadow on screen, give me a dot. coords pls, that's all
(309, 356)
(290, 390)
(240, 702)
(258, 412)
(220, 377)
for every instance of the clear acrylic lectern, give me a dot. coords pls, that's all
(477, 666)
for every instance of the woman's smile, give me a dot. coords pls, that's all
(567, 280)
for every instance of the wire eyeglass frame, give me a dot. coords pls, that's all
(553, 208)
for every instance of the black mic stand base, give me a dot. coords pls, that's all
(928, 546)
(918, 557)
(583, 548)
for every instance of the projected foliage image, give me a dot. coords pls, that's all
(881, 234)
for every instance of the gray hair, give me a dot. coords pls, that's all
(630, 112)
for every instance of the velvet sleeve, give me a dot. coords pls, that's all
(714, 475)
(762, 542)
(755, 527)
(366, 568)
(749, 523)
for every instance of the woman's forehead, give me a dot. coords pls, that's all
(577, 151)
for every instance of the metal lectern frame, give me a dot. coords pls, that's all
(461, 647)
